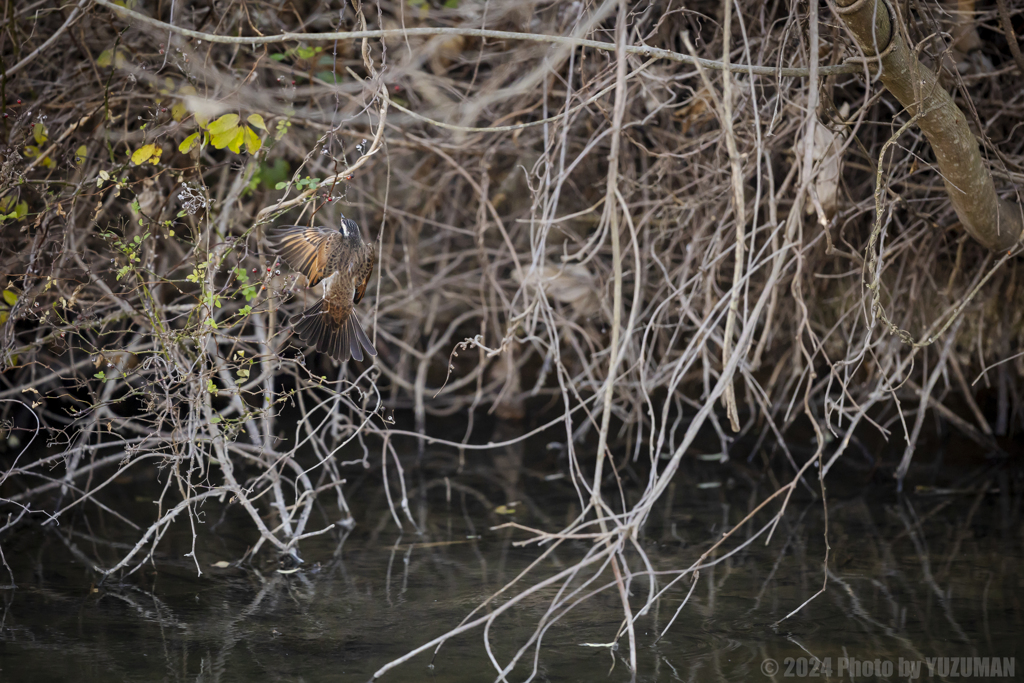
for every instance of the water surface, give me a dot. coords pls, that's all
(933, 573)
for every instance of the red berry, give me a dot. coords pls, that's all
(19, 101)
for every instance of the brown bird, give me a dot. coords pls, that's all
(344, 262)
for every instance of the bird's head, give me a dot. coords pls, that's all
(350, 229)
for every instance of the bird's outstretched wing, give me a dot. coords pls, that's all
(304, 248)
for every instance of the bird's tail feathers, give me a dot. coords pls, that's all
(318, 328)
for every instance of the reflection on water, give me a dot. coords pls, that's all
(933, 574)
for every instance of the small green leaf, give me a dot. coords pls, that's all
(256, 121)
(281, 129)
(39, 133)
(10, 297)
(216, 419)
(189, 143)
(281, 185)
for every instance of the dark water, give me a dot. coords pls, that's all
(935, 573)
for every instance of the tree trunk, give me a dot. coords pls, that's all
(995, 223)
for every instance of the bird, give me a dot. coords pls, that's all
(343, 262)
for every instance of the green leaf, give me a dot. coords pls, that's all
(256, 121)
(223, 124)
(235, 144)
(10, 297)
(278, 56)
(189, 143)
(80, 154)
(216, 419)
(39, 133)
(252, 141)
(101, 375)
(281, 129)
(232, 138)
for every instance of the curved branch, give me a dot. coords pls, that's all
(994, 222)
